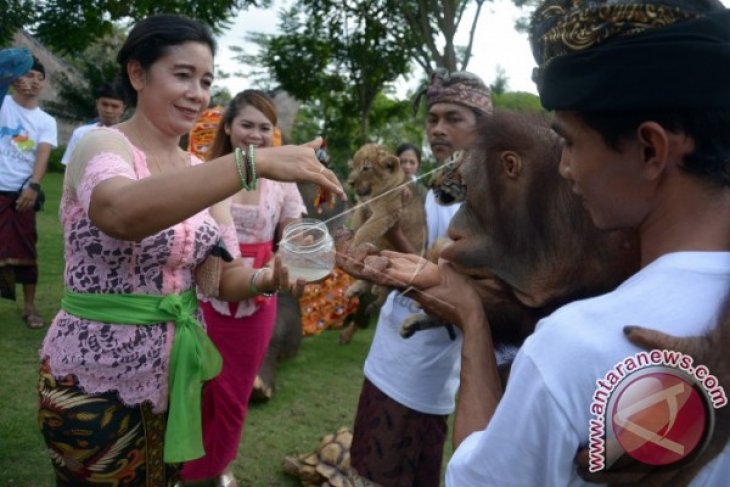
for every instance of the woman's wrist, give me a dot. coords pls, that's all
(255, 286)
(262, 162)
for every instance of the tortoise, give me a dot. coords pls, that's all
(328, 465)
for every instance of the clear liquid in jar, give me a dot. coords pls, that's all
(307, 250)
(309, 274)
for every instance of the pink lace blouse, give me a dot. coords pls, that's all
(133, 360)
(257, 223)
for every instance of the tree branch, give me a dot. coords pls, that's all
(472, 31)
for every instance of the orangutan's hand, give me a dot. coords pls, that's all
(408, 270)
(352, 259)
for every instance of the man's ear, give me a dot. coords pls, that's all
(137, 75)
(511, 163)
(656, 148)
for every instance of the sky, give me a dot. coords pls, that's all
(496, 44)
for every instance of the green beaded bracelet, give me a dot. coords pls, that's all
(251, 165)
(240, 167)
(252, 284)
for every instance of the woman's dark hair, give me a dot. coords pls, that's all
(151, 38)
(709, 129)
(254, 98)
(405, 146)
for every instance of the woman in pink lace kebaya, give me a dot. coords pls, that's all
(124, 360)
(242, 330)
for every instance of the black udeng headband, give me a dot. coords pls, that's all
(685, 65)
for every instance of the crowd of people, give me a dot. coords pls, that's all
(170, 285)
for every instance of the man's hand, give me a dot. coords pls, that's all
(454, 298)
(26, 200)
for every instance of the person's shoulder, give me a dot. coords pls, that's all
(100, 139)
(82, 129)
(46, 117)
(41, 112)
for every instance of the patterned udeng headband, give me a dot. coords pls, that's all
(465, 89)
(630, 56)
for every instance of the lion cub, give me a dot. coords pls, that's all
(385, 198)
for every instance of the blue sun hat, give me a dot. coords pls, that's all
(14, 63)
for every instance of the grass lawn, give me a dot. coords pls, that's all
(317, 389)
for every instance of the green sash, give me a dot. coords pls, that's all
(193, 358)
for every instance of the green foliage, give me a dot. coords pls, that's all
(392, 122)
(220, 96)
(54, 160)
(69, 26)
(339, 58)
(433, 25)
(76, 99)
(16, 14)
(96, 65)
(518, 101)
(499, 85)
(527, 6)
(339, 53)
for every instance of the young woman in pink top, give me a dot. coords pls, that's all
(242, 330)
(125, 358)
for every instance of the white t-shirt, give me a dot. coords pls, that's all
(21, 130)
(77, 134)
(543, 417)
(420, 372)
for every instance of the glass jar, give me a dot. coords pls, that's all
(307, 250)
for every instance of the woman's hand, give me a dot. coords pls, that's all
(276, 278)
(299, 163)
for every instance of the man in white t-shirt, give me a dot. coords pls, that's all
(410, 384)
(645, 147)
(27, 135)
(110, 107)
